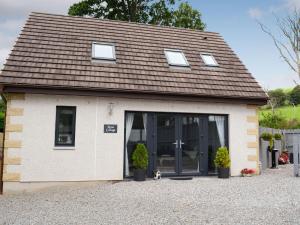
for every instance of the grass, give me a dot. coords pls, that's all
(288, 112)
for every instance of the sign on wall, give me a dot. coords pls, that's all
(110, 128)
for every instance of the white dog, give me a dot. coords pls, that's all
(157, 175)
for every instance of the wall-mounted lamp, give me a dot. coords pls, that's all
(110, 108)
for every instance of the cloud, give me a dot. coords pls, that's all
(255, 13)
(21, 8)
(13, 14)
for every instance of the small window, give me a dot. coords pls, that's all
(176, 58)
(209, 60)
(65, 126)
(104, 51)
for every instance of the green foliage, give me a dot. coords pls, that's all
(161, 13)
(2, 114)
(295, 95)
(283, 118)
(277, 136)
(140, 157)
(272, 120)
(266, 136)
(292, 124)
(278, 97)
(186, 16)
(158, 12)
(222, 159)
(270, 138)
(285, 113)
(127, 10)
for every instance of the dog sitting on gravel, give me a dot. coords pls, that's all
(157, 175)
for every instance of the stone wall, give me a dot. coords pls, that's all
(12, 143)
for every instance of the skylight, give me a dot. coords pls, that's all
(176, 58)
(209, 60)
(104, 51)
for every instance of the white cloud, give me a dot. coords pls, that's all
(255, 13)
(21, 8)
(13, 14)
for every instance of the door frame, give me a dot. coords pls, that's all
(151, 140)
(202, 145)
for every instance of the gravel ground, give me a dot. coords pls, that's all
(272, 198)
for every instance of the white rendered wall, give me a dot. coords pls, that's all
(99, 156)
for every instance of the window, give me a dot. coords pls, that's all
(209, 60)
(217, 137)
(136, 126)
(176, 58)
(65, 126)
(104, 51)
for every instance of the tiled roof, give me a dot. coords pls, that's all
(54, 51)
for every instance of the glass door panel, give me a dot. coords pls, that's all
(189, 144)
(166, 143)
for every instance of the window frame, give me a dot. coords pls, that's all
(211, 55)
(94, 43)
(59, 108)
(174, 64)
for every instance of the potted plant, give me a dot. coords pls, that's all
(140, 162)
(222, 162)
(271, 139)
(277, 137)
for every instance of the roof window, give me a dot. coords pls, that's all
(209, 60)
(103, 51)
(176, 58)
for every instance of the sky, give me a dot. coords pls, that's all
(235, 20)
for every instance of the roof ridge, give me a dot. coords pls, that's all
(125, 22)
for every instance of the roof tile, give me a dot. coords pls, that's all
(50, 52)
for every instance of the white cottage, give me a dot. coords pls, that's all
(82, 92)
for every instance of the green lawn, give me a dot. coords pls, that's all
(289, 112)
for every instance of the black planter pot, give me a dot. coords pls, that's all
(223, 172)
(139, 175)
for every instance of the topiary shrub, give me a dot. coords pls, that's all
(266, 136)
(278, 137)
(140, 157)
(222, 159)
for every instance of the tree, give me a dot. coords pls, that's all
(186, 16)
(295, 95)
(289, 45)
(277, 97)
(159, 12)
(127, 10)
(272, 120)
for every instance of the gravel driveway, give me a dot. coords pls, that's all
(272, 198)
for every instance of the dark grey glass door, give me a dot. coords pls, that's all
(180, 144)
(189, 144)
(166, 155)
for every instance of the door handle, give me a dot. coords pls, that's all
(176, 143)
(181, 143)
